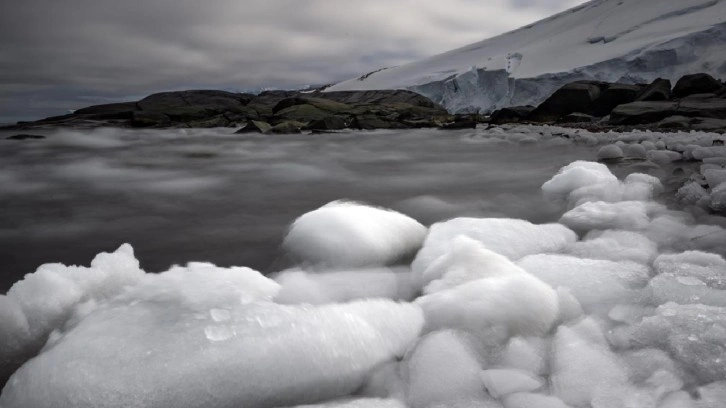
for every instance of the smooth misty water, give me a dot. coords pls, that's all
(208, 195)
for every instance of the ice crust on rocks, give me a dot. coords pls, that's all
(620, 304)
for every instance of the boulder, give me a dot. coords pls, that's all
(703, 107)
(614, 95)
(696, 84)
(577, 117)
(513, 114)
(287, 127)
(460, 124)
(675, 122)
(213, 100)
(637, 113)
(255, 126)
(328, 123)
(573, 97)
(658, 90)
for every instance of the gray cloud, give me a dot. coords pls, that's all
(58, 55)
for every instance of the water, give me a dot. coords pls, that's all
(209, 195)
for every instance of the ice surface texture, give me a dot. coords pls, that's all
(620, 304)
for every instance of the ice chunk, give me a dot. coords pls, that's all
(625, 215)
(596, 284)
(358, 403)
(341, 286)
(582, 367)
(525, 400)
(49, 296)
(692, 193)
(610, 152)
(718, 198)
(347, 234)
(466, 261)
(695, 335)
(160, 335)
(14, 337)
(577, 175)
(712, 395)
(518, 304)
(501, 382)
(715, 176)
(443, 369)
(701, 153)
(511, 238)
(680, 399)
(526, 354)
(669, 287)
(635, 151)
(615, 245)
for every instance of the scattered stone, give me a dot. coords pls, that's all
(255, 126)
(642, 112)
(287, 127)
(696, 84)
(658, 90)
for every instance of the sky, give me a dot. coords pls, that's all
(57, 55)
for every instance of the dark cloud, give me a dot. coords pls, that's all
(59, 55)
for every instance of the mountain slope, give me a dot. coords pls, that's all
(612, 40)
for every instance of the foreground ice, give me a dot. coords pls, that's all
(619, 305)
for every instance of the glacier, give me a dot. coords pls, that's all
(627, 41)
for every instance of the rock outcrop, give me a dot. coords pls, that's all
(268, 112)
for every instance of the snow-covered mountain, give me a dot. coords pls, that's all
(611, 40)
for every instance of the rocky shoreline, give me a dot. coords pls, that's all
(696, 102)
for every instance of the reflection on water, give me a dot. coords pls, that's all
(207, 195)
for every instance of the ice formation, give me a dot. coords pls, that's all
(619, 304)
(346, 234)
(607, 40)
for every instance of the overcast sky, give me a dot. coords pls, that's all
(57, 55)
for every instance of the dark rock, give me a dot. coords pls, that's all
(213, 100)
(461, 124)
(288, 127)
(675, 122)
(149, 119)
(577, 117)
(696, 84)
(379, 97)
(25, 136)
(371, 122)
(658, 90)
(513, 114)
(707, 108)
(573, 97)
(107, 108)
(614, 95)
(320, 103)
(255, 126)
(301, 113)
(642, 112)
(328, 123)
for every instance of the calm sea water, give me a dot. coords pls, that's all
(208, 195)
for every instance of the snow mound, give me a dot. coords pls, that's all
(347, 234)
(609, 40)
